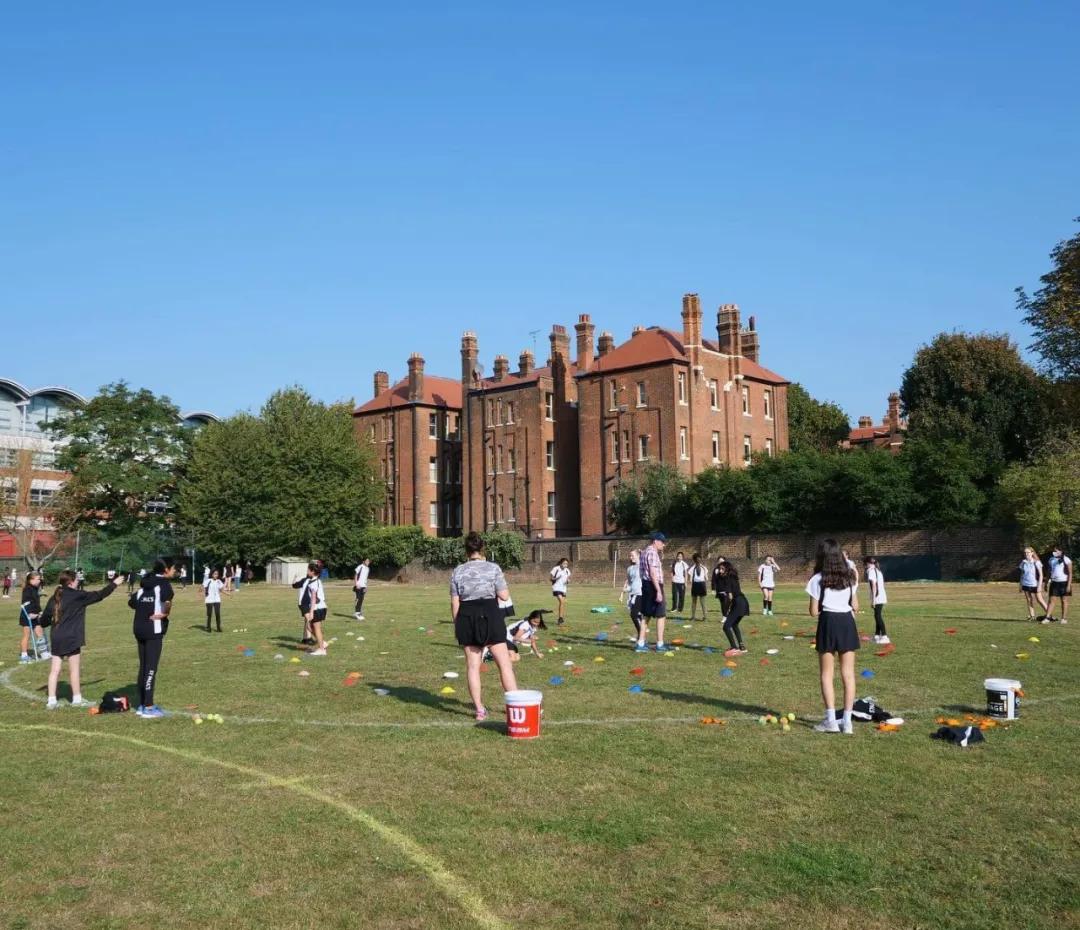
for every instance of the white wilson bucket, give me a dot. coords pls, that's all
(1002, 700)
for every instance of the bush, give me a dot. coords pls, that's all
(507, 549)
(391, 546)
(442, 552)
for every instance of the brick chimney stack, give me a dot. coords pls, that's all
(727, 329)
(691, 320)
(750, 348)
(470, 353)
(416, 376)
(894, 412)
(502, 367)
(526, 363)
(382, 382)
(637, 329)
(606, 343)
(865, 422)
(585, 329)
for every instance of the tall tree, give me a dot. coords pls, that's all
(813, 425)
(1053, 312)
(977, 390)
(126, 450)
(292, 481)
(1043, 498)
(30, 519)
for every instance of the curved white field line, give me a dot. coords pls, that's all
(451, 885)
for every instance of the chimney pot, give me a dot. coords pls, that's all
(501, 367)
(526, 362)
(382, 382)
(416, 376)
(606, 343)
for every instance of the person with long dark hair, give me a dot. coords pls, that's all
(476, 587)
(699, 588)
(152, 604)
(1061, 576)
(30, 620)
(66, 613)
(878, 598)
(834, 599)
(718, 585)
(212, 588)
(737, 608)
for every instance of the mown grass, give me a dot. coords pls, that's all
(628, 812)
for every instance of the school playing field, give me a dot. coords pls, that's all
(320, 804)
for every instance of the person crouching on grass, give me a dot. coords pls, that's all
(476, 587)
(738, 607)
(834, 599)
(66, 612)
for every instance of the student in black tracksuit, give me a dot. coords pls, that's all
(737, 607)
(152, 604)
(66, 613)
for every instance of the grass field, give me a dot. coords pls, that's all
(322, 804)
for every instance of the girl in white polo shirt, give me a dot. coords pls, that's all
(766, 576)
(1031, 582)
(834, 598)
(1061, 575)
(560, 577)
(212, 588)
(876, 580)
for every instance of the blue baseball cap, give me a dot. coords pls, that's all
(658, 537)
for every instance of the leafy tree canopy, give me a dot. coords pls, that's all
(813, 425)
(1053, 312)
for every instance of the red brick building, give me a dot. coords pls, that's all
(889, 434)
(541, 449)
(415, 428)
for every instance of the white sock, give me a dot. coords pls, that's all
(659, 643)
(24, 655)
(76, 699)
(830, 715)
(51, 702)
(847, 718)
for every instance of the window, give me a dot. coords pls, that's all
(458, 511)
(768, 405)
(768, 447)
(491, 509)
(502, 507)
(714, 394)
(40, 497)
(642, 396)
(682, 387)
(549, 405)
(433, 425)
(684, 451)
(390, 430)
(549, 455)
(371, 432)
(715, 446)
(511, 513)
(551, 506)
(491, 412)
(500, 412)
(433, 514)
(450, 515)
(499, 459)
(491, 460)
(509, 411)
(747, 452)
(454, 425)
(613, 395)
(511, 459)
(433, 470)
(746, 401)
(9, 493)
(626, 445)
(9, 458)
(614, 446)
(643, 447)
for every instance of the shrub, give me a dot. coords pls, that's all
(391, 546)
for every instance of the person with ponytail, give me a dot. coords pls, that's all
(152, 604)
(834, 600)
(66, 612)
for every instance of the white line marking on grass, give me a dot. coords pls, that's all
(452, 886)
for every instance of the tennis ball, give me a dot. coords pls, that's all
(198, 720)
(791, 717)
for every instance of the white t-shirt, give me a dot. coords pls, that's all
(318, 594)
(766, 575)
(559, 577)
(238, 573)
(698, 573)
(523, 627)
(1029, 573)
(837, 600)
(212, 589)
(875, 577)
(678, 572)
(361, 573)
(1057, 568)
(205, 572)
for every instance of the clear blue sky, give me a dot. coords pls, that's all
(218, 199)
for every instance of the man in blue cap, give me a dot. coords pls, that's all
(652, 592)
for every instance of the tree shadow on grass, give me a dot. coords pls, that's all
(962, 709)
(731, 706)
(410, 695)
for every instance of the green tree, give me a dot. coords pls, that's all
(1053, 312)
(648, 500)
(126, 452)
(1043, 498)
(975, 389)
(292, 481)
(813, 425)
(945, 478)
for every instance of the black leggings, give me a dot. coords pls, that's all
(731, 629)
(215, 610)
(149, 657)
(360, 592)
(879, 621)
(678, 595)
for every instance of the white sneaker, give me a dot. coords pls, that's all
(877, 639)
(847, 729)
(358, 616)
(52, 705)
(82, 702)
(828, 726)
(884, 641)
(317, 652)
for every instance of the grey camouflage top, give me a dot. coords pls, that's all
(477, 580)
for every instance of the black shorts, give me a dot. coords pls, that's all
(740, 607)
(634, 606)
(652, 602)
(508, 611)
(511, 645)
(836, 632)
(1028, 588)
(68, 655)
(699, 589)
(24, 622)
(1059, 589)
(319, 615)
(480, 623)
(561, 594)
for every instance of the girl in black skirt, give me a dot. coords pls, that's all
(834, 599)
(699, 587)
(737, 608)
(66, 611)
(475, 591)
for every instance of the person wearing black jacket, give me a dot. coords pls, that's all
(737, 607)
(66, 613)
(30, 616)
(151, 603)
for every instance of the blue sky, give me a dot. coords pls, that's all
(216, 200)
